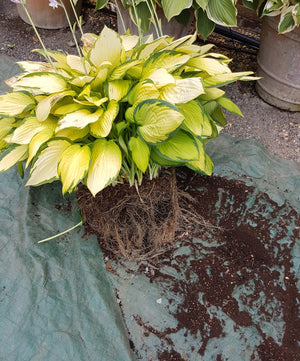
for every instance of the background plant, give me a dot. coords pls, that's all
(207, 13)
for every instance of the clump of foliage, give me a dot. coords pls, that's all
(123, 107)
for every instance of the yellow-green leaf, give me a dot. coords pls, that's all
(194, 116)
(121, 70)
(181, 148)
(140, 153)
(105, 165)
(6, 125)
(118, 89)
(204, 164)
(45, 168)
(11, 156)
(161, 77)
(229, 105)
(72, 133)
(143, 91)
(16, 103)
(158, 120)
(78, 64)
(39, 139)
(102, 127)
(227, 78)
(73, 166)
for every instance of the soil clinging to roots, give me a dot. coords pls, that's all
(133, 223)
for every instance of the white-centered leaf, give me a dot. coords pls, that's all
(121, 70)
(78, 64)
(73, 166)
(44, 107)
(16, 103)
(140, 153)
(183, 91)
(158, 120)
(107, 47)
(6, 125)
(105, 165)
(222, 12)
(209, 65)
(45, 168)
(72, 133)
(224, 79)
(79, 119)
(11, 156)
(161, 77)
(42, 83)
(29, 127)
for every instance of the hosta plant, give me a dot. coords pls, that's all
(122, 109)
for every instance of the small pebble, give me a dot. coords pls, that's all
(159, 301)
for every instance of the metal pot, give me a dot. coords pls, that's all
(279, 66)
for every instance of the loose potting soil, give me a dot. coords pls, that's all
(226, 291)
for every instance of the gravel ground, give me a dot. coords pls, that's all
(278, 131)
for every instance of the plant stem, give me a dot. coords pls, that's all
(120, 15)
(39, 38)
(138, 22)
(154, 18)
(62, 233)
(76, 17)
(74, 36)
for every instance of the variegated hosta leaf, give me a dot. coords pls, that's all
(14, 104)
(229, 105)
(204, 164)
(187, 40)
(105, 165)
(72, 133)
(181, 148)
(42, 83)
(103, 71)
(222, 13)
(78, 64)
(158, 120)
(12, 155)
(143, 91)
(140, 153)
(45, 168)
(88, 40)
(29, 127)
(33, 66)
(102, 127)
(73, 166)
(211, 66)
(212, 94)
(107, 47)
(36, 142)
(121, 70)
(220, 80)
(79, 119)
(67, 108)
(129, 41)
(118, 89)
(44, 107)
(173, 8)
(169, 60)
(145, 50)
(194, 116)
(183, 91)
(6, 125)
(81, 81)
(161, 77)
